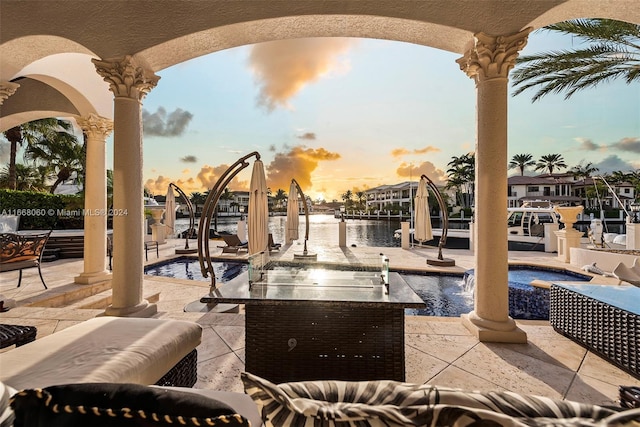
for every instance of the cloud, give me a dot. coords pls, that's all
(588, 145)
(161, 124)
(614, 163)
(399, 152)
(628, 144)
(282, 68)
(189, 159)
(413, 172)
(298, 162)
(160, 185)
(307, 135)
(209, 176)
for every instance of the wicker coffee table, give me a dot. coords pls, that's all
(603, 318)
(16, 334)
(342, 325)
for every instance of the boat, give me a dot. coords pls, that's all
(525, 230)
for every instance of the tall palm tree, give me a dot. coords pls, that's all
(550, 162)
(521, 161)
(280, 197)
(361, 199)
(612, 51)
(28, 178)
(28, 133)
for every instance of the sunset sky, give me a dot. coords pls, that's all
(350, 114)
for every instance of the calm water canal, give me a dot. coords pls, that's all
(323, 230)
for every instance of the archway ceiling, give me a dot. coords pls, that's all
(163, 33)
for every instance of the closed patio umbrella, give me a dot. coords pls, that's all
(170, 212)
(293, 215)
(258, 210)
(423, 231)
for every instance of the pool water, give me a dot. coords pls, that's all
(444, 295)
(189, 268)
(451, 296)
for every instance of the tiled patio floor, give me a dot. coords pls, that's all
(439, 351)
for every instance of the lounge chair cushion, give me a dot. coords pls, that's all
(391, 403)
(121, 405)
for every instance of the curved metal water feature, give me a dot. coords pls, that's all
(192, 221)
(305, 254)
(204, 253)
(442, 262)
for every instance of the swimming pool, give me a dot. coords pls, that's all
(189, 268)
(444, 295)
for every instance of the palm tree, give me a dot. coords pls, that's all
(197, 198)
(29, 133)
(551, 162)
(28, 178)
(346, 197)
(521, 161)
(581, 171)
(612, 52)
(461, 175)
(60, 152)
(361, 199)
(280, 197)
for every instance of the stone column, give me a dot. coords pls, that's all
(130, 82)
(7, 89)
(97, 129)
(488, 63)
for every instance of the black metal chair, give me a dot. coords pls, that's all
(22, 250)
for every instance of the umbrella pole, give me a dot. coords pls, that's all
(192, 222)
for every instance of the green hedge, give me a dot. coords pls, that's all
(43, 211)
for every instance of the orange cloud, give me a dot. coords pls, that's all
(399, 152)
(209, 176)
(282, 68)
(413, 172)
(299, 162)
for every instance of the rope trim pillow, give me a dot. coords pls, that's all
(121, 405)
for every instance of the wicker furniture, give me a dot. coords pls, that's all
(22, 250)
(603, 318)
(107, 349)
(343, 326)
(16, 334)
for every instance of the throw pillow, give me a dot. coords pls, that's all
(6, 414)
(391, 403)
(121, 405)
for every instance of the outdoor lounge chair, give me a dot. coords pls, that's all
(272, 245)
(628, 274)
(234, 244)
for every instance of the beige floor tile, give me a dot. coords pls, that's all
(221, 373)
(420, 367)
(212, 345)
(455, 377)
(515, 371)
(233, 336)
(591, 390)
(600, 369)
(444, 347)
(563, 353)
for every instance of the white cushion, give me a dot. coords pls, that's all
(104, 349)
(6, 414)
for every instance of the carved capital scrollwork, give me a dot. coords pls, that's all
(126, 77)
(95, 126)
(492, 57)
(7, 89)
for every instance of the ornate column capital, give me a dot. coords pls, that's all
(96, 126)
(126, 77)
(492, 57)
(7, 89)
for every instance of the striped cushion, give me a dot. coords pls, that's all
(391, 403)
